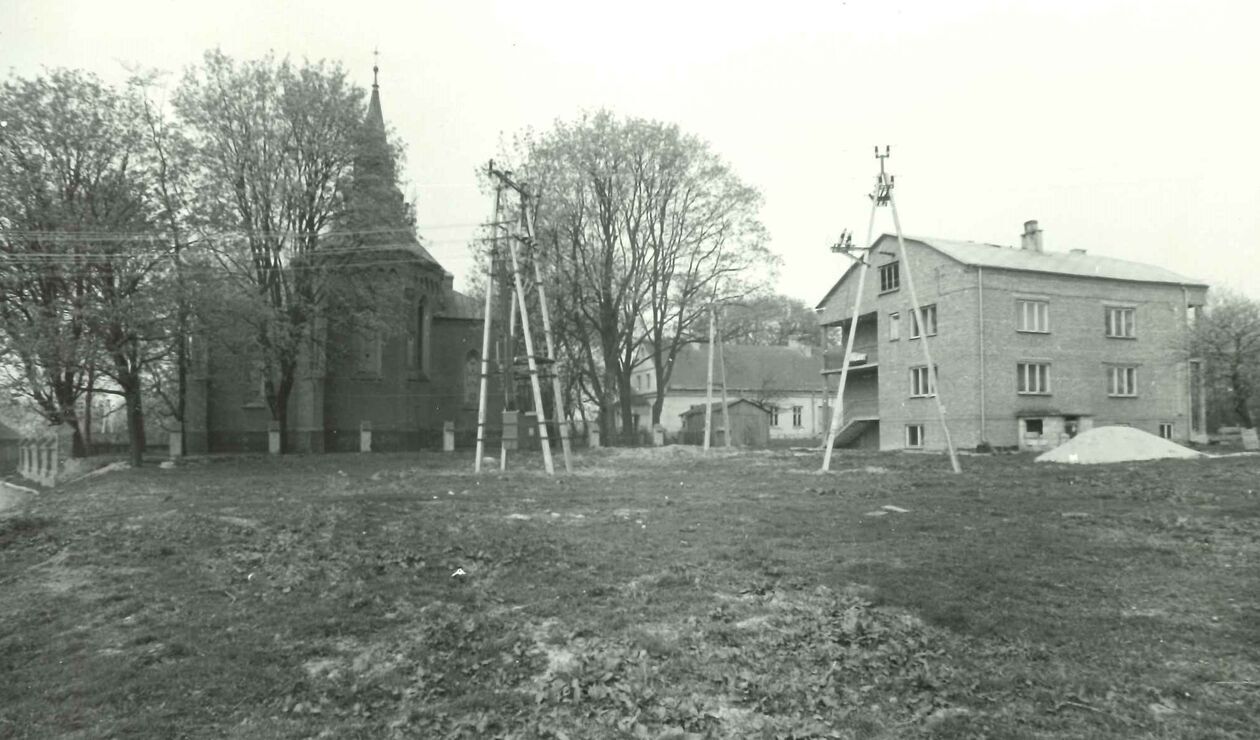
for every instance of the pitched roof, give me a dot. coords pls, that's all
(748, 367)
(717, 407)
(1078, 263)
(377, 210)
(460, 306)
(1060, 263)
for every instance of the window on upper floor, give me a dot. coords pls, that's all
(1122, 381)
(1032, 377)
(1120, 322)
(929, 320)
(894, 326)
(889, 277)
(922, 384)
(796, 416)
(774, 416)
(1033, 316)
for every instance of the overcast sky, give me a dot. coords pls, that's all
(1130, 129)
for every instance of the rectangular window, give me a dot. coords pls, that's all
(1033, 316)
(914, 435)
(1119, 322)
(894, 326)
(929, 320)
(1122, 381)
(774, 416)
(1166, 430)
(1034, 426)
(889, 277)
(796, 416)
(921, 384)
(1032, 377)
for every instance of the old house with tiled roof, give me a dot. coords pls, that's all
(1030, 346)
(785, 380)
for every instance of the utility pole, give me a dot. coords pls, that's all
(845, 246)
(557, 391)
(708, 384)
(882, 195)
(887, 180)
(483, 391)
(726, 413)
(504, 179)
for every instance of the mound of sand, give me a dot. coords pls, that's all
(1115, 444)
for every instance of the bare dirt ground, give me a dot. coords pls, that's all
(654, 593)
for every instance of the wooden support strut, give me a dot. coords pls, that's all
(483, 391)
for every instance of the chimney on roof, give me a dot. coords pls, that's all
(1031, 238)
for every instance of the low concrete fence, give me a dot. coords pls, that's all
(41, 459)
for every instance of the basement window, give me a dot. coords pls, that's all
(1166, 429)
(914, 436)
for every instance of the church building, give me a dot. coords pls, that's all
(404, 383)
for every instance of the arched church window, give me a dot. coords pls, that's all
(472, 378)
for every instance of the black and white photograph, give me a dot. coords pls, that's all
(667, 370)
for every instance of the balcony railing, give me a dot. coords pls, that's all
(863, 356)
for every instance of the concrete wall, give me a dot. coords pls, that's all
(980, 397)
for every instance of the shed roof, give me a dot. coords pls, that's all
(748, 367)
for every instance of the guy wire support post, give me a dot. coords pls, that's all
(557, 390)
(845, 246)
(886, 182)
(530, 356)
(491, 277)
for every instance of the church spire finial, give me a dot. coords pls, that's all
(376, 58)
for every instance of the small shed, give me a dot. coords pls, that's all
(749, 423)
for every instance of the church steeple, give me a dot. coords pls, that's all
(377, 210)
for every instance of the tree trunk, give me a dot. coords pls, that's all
(135, 422)
(280, 410)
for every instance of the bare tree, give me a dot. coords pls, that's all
(641, 227)
(82, 279)
(1227, 337)
(274, 147)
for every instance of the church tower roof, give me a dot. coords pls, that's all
(378, 212)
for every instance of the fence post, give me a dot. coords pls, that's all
(175, 444)
(448, 436)
(592, 436)
(273, 437)
(365, 436)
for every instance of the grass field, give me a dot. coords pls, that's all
(652, 594)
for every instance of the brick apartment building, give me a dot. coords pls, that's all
(1030, 346)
